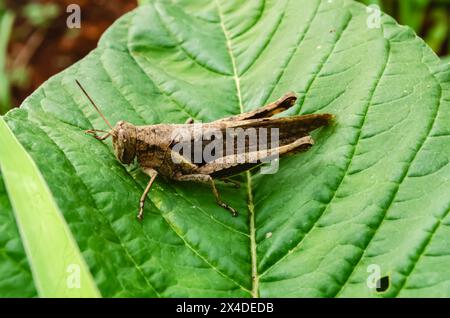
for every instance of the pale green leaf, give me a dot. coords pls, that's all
(58, 268)
(15, 274)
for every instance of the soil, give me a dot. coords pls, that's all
(47, 50)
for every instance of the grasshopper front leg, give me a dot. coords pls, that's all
(93, 132)
(152, 173)
(205, 178)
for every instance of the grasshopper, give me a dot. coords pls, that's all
(154, 145)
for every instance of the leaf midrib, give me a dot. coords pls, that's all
(250, 205)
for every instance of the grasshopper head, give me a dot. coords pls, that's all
(124, 142)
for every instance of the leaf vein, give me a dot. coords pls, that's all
(404, 176)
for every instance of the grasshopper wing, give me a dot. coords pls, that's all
(285, 102)
(253, 142)
(288, 128)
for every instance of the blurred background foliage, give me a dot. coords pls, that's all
(429, 18)
(36, 44)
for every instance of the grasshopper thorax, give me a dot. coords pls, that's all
(124, 142)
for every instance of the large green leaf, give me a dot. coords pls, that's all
(373, 191)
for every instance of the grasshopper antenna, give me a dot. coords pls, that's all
(93, 104)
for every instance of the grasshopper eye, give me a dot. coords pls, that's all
(125, 143)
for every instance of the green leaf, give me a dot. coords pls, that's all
(40, 15)
(413, 13)
(438, 33)
(370, 2)
(15, 274)
(446, 59)
(372, 194)
(6, 22)
(51, 250)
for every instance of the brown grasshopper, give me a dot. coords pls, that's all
(154, 145)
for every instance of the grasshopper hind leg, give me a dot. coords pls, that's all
(152, 173)
(204, 178)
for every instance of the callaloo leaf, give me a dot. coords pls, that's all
(369, 200)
